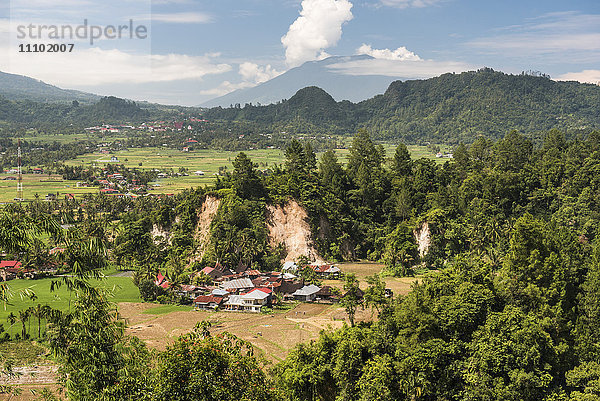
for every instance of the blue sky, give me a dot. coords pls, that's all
(199, 49)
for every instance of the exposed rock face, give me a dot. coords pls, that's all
(160, 234)
(423, 238)
(205, 218)
(288, 225)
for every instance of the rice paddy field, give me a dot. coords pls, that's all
(164, 159)
(121, 289)
(40, 184)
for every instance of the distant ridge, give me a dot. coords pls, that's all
(19, 87)
(312, 73)
(450, 108)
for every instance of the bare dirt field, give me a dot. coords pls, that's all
(399, 285)
(273, 335)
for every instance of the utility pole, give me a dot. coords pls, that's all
(19, 197)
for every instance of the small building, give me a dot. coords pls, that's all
(162, 281)
(308, 293)
(220, 293)
(212, 272)
(208, 302)
(251, 301)
(289, 266)
(190, 291)
(288, 287)
(326, 294)
(9, 269)
(252, 274)
(237, 285)
(327, 271)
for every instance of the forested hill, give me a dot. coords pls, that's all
(107, 110)
(19, 87)
(449, 108)
(309, 107)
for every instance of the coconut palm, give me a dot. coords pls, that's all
(12, 319)
(23, 318)
(40, 312)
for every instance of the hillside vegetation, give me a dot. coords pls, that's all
(449, 108)
(509, 309)
(19, 87)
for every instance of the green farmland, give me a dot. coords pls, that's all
(208, 161)
(121, 289)
(40, 184)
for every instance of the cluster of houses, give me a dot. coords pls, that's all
(12, 269)
(151, 126)
(248, 290)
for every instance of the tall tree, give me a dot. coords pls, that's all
(352, 297)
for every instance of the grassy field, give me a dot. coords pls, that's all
(122, 289)
(399, 285)
(40, 184)
(208, 161)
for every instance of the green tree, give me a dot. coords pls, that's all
(402, 162)
(352, 297)
(199, 366)
(87, 343)
(246, 182)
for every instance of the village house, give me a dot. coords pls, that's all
(9, 269)
(208, 302)
(308, 293)
(251, 301)
(327, 271)
(289, 266)
(162, 281)
(238, 285)
(327, 295)
(212, 272)
(191, 291)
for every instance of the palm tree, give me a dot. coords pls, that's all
(39, 311)
(12, 319)
(23, 318)
(30, 313)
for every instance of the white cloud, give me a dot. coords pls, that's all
(400, 63)
(409, 3)
(94, 66)
(566, 37)
(400, 54)
(225, 87)
(407, 69)
(585, 76)
(318, 28)
(182, 18)
(252, 72)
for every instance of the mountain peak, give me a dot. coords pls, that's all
(312, 73)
